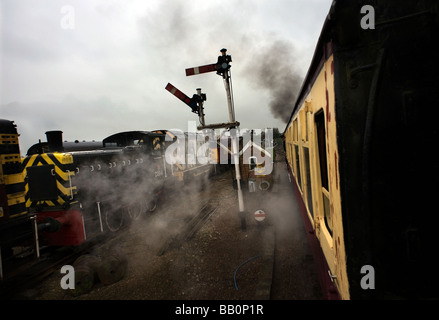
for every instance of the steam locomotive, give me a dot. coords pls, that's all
(89, 191)
(63, 193)
(359, 146)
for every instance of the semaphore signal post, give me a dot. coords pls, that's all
(222, 68)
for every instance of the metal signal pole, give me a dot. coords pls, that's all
(234, 137)
(222, 68)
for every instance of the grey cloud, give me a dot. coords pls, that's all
(109, 73)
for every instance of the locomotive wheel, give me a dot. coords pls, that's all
(112, 268)
(152, 205)
(84, 280)
(135, 210)
(113, 219)
(85, 274)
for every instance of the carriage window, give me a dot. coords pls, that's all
(303, 132)
(321, 142)
(292, 159)
(296, 151)
(323, 164)
(307, 173)
(295, 130)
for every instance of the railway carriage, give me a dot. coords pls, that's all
(359, 150)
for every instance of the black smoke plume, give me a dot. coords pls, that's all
(265, 59)
(273, 69)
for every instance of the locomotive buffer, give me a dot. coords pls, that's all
(222, 68)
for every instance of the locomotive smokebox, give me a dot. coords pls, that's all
(54, 141)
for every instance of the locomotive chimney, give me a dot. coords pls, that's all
(54, 140)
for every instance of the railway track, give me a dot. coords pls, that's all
(193, 225)
(29, 273)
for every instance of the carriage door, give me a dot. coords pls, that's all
(324, 215)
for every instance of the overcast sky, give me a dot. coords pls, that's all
(94, 68)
